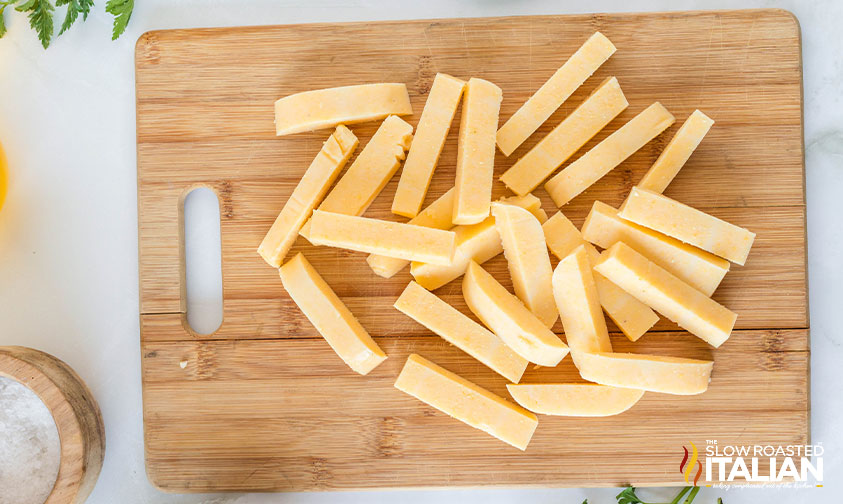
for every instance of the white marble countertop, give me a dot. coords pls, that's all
(68, 233)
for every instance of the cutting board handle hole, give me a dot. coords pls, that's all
(202, 260)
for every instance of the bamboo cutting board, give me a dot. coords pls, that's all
(264, 404)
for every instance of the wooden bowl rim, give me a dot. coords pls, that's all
(75, 412)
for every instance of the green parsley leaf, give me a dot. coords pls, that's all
(2, 22)
(40, 14)
(74, 8)
(40, 19)
(122, 12)
(627, 496)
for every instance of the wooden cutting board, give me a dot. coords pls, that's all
(264, 404)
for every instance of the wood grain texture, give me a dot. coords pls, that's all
(256, 405)
(75, 412)
(280, 415)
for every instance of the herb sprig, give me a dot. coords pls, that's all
(40, 15)
(74, 8)
(628, 496)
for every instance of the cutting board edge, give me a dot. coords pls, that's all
(145, 36)
(801, 85)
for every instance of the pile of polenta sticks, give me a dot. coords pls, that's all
(659, 254)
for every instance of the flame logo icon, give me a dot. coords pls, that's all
(686, 466)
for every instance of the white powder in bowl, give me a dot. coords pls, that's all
(29, 446)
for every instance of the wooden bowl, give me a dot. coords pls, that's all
(76, 413)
